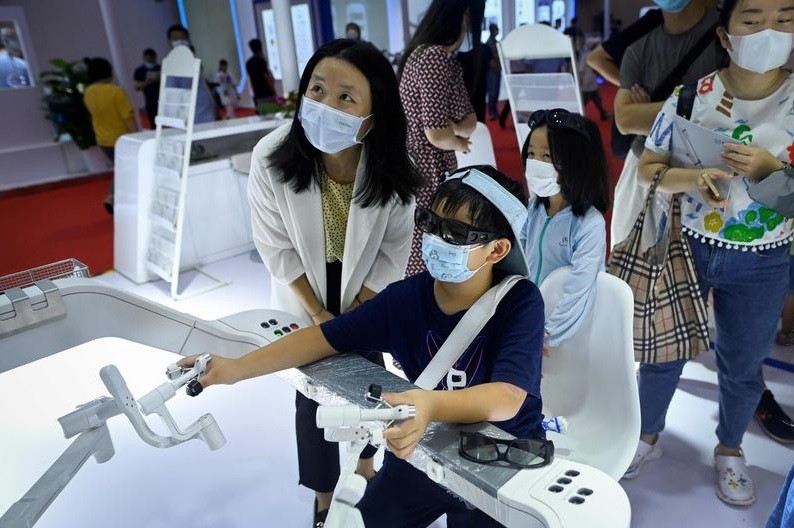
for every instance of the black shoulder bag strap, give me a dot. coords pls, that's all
(666, 87)
(686, 101)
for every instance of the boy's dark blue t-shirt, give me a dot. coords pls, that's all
(405, 320)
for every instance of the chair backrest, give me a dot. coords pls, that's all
(590, 381)
(534, 41)
(533, 91)
(242, 162)
(481, 152)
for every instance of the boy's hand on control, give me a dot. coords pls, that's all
(220, 371)
(403, 437)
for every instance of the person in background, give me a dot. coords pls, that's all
(785, 337)
(493, 76)
(178, 35)
(646, 65)
(147, 80)
(259, 74)
(227, 88)
(558, 24)
(616, 26)
(441, 118)
(332, 200)
(353, 31)
(576, 34)
(475, 66)
(587, 78)
(13, 70)
(740, 248)
(782, 515)
(112, 114)
(566, 174)
(606, 57)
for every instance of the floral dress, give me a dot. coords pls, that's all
(433, 94)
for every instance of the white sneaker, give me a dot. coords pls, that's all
(734, 485)
(645, 453)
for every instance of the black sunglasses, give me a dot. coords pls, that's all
(557, 118)
(525, 453)
(451, 231)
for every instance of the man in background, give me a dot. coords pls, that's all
(262, 82)
(147, 80)
(576, 34)
(205, 105)
(587, 79)
(493, 75)
(353, 31)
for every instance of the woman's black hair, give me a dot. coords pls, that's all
(727, 8)
(442, 23)
(581, 163)
(389, 172)
(98, 69)
(452, 195)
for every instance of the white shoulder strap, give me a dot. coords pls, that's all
(464, 333)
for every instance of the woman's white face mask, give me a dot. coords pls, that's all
(762, 51)
(329, 130)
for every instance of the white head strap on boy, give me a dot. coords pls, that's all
(511, 207)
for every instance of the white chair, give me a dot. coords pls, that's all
(528, 92)
(589, 380)
(242, 162)
(481, 152)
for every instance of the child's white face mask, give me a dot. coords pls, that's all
(542, 178)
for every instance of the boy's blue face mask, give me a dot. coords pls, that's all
(672, 6)
(447, 262)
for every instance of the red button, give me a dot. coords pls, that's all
(294, 326)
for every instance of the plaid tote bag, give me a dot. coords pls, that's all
(670, 321)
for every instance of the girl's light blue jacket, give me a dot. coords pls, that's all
(565, 240)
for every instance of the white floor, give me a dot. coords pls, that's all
(676, 491)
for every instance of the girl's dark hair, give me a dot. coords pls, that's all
(581, 163)
(441, 26)
(389, 171)
(452, 195)
(98, 69)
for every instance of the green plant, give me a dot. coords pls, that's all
(279, 105)
(63, 89)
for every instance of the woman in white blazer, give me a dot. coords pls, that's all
(332, 200)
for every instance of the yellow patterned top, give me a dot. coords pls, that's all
(336, 198)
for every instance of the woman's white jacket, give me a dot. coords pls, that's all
(289, 234)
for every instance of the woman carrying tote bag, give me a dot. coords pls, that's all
(739, 247)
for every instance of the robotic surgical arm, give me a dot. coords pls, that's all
(351, 423)
(88, 423)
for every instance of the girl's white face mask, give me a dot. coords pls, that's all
(542, 178)
(329, 130)
(763, 51)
